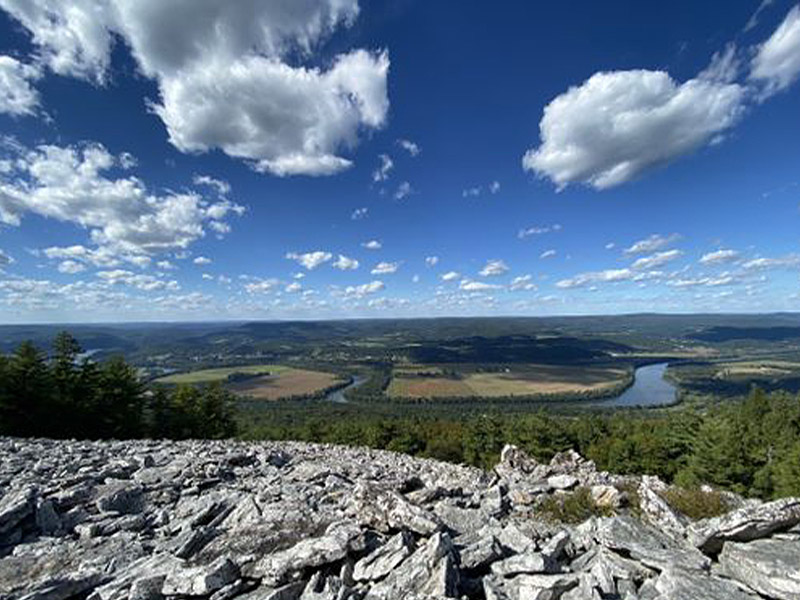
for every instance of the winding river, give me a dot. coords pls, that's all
(649, 389)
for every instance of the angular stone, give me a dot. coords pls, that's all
(67, 587)
(770, 567)
(606, 496)
(389, 511)
(555, 546)
(745, 524)
(541, 587)
(481, 552)
(562, 482)
(678, 584)
(429, 571)
(340, 539)
(645, 544)
(524, 563)
(384, 559)
(656, 510)
(47, 519)
(121, 497)
(16, 506)
(202, 580)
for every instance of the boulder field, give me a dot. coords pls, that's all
(152, 520)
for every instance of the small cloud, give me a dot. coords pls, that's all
(469, 285)
(385, 268)
(522, 283)
(652, 243)
(310, 260)
(494, 268)
(610, 246)
(719, 256)
(293, 287)
(415, 279)
(223, 188)
(202, 260)
(431, 261)
(450, 276)
(494, 187)
(343, 263)
(359, 213)
(386, 166)
(411, 147)
(472, 192)
(372, 245)
(537, 230)
(547, 254)
(403, 190)
(71, 267)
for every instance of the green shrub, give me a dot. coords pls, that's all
(572, 507)
(696, 503)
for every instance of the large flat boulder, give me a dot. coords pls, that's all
(770, 567)
(744, 524)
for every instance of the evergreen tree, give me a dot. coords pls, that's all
(30, 393)
(121, 400)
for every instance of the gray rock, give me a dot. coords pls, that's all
(555, 546)
(202, 580)
(340, 539)
(650, 547)
(389, 511)
(47, 519)
(66, 587)
(429, 571)
(16, 506)
(541, 587)
(524, 563)
(562, 482)
(745, 524)
(384, 559)
(770, 567)
(485, 549)
(147, 588)
(678, 584)
(656, 510)
(120, 497)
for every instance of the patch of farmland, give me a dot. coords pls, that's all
(427, 387)
(290, 382)
(219, 374)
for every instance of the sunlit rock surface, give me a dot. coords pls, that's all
(148, 520)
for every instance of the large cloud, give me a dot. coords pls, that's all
(618, 124)
(78, 185)
(776, 64)
(228, 72)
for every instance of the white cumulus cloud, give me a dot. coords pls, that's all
(236, 76)
(385, 268)
(310, 260)
(493, 268)
(719, 256)
(618, 124)
(344, 263)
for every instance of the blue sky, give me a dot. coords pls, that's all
(318, 158)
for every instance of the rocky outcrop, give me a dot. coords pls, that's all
(157, 520)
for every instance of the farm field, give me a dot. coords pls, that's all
(526, 380)
(220, 374)
(267, 382)
(290, 382)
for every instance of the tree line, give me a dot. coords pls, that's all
(61, 396)
(751, 446)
